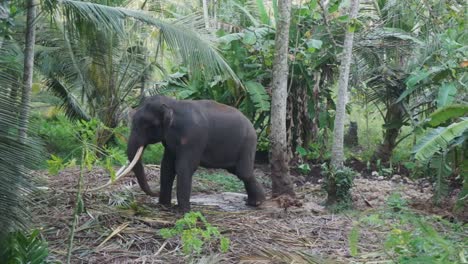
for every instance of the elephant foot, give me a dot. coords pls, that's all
(180, 211)
(255, 202)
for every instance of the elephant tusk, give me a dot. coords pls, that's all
(122, 171)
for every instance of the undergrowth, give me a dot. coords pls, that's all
(411, 237)
(195, 232)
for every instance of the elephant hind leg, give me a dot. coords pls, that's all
(244, 170)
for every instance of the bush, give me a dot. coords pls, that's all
(338, 185)
(58, 135)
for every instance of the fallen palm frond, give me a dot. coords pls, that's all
(128, 231)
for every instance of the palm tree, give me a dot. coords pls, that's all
(17, 155)
(100, 67)
(28, 67)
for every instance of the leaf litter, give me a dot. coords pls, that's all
(121, 224)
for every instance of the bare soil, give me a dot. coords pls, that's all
(121, 224)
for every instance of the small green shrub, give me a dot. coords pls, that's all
(396, 202)
(195, 231)
(58, 135)
(338, 185)
(422, 244)
(413, 238)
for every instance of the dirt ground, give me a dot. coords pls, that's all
(121, 224)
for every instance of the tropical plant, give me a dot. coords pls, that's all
(25, 248)
(108, 54)
(447, 131)
(398, 66)
(195, 231)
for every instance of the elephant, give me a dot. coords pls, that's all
(194, 133)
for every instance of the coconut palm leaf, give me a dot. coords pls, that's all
(16, 161)
(196, 51)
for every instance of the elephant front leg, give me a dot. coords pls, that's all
(186, 165)
(167, 178)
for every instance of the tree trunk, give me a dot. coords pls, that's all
(205, 14)
(4, 14)
(393, 116)
(28, 69)
(280, 177)
(338, 131)
(337, 158)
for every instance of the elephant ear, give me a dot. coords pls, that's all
(168, 116)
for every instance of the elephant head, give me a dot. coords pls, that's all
(149, 126)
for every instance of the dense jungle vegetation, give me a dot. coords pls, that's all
(360, 109)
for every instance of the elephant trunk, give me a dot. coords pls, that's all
(138, 169)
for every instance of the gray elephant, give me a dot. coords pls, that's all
(194, 133)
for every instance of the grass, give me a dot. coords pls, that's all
(219, 180)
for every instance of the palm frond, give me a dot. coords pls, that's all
(70, 104)
(16, 161)
(196, 51)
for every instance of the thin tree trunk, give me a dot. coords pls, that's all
(280, 177)
(205, 14)
(4, 14)
(28, 69)
(393, 116)
(337, 159)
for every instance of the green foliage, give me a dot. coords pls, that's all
(396, 202)
(446, 113)
(353, 240)
(423, 244)
(195, 231)
(58, 135)
(338, 184)
(446, 94)
(258, 96)
(26, 248)
(439, 139)
(411, 237)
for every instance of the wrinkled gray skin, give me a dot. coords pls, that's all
(194, 133)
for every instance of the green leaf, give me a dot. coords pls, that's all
(258, 96)
(415, 78)
(224, 244)
(312, 5)
(353, 239)
(314, 43)
(439, 138)
(446, 94)
(263, 13)
(301, 151)
(444, 114)
(249, 38)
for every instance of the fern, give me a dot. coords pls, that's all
(439, 138)
(258, 96)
